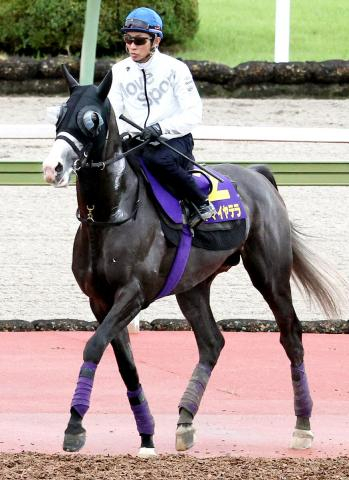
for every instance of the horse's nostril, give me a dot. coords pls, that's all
(59, 168)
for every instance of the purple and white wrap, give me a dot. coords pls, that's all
(81, 398)
(140, 408)
(303, 403)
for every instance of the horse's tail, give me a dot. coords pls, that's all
(319, 282)
(264, 170)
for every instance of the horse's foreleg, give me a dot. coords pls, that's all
(196, 308)
(113, 330)
(75, 434)
(135, 394)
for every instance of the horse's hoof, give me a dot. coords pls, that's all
(302, 439)
(145, 452)
(185, 437)
(74, 442)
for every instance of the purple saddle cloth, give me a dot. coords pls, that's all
(224, 197)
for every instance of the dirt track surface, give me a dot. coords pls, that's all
(34, 466)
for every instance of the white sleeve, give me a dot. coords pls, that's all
(189, 113)
(115, 96)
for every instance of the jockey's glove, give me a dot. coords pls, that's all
(151, 133)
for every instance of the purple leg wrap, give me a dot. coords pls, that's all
(140, 408)
(192, 396)
(303, 403)
(81, 398)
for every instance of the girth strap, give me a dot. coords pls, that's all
(179, 263)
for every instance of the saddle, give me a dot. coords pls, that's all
(223, 231)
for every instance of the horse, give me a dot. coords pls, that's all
(121, 261)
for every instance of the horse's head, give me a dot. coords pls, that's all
(81, 129)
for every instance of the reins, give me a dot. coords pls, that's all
(118, 156)
(84, 153)
(163, 142)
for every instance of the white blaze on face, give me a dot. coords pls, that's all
(59, 163)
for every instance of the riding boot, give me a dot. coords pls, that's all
(203, 211)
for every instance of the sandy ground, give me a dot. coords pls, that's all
(34, 466)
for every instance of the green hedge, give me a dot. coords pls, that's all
(52, 27)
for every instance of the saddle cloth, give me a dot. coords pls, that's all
(223, 231)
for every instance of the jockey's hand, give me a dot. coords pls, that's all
(151, 133)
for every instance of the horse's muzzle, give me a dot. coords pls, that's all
(49, 174)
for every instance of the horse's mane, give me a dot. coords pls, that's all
(113, 141)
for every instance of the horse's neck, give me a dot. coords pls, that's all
(110, 192)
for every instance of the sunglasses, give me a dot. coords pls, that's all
(128, 39)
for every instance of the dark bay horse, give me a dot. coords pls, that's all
(121, 261)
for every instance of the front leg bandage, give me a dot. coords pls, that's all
(140, 408)
(81, 398)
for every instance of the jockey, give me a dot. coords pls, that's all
(157, 92)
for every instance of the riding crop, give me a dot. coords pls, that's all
(163, 142)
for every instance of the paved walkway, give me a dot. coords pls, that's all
(247, 408)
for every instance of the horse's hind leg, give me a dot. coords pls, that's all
(75, 434)
(196, 308)
(270, 270)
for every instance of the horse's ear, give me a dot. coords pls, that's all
(72, 83)
(104, 87)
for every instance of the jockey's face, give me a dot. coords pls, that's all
(140, 53)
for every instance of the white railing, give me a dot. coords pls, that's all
(209, 132)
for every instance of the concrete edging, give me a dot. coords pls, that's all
(228, 325)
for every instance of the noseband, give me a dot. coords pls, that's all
(82, 154)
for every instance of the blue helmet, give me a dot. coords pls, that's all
(143, 19)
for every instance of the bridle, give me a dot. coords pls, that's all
(83, 154)
(84, 161)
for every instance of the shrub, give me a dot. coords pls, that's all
(54, 27)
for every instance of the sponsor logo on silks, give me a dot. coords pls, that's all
(155, 91)
(226, 201)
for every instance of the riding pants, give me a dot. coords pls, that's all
(172, 170)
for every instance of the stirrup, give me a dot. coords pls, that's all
(199, 215)
(194, 220)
